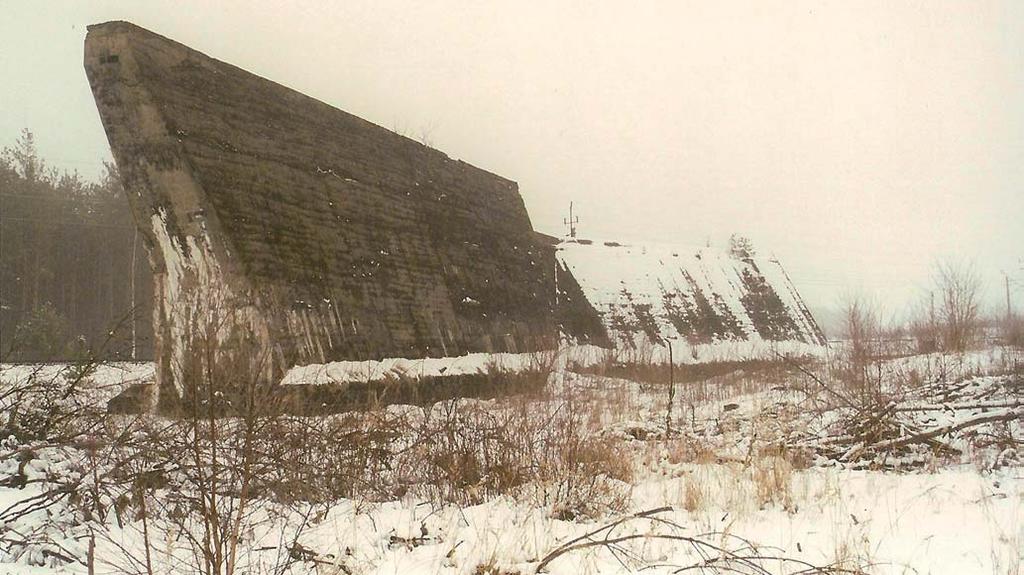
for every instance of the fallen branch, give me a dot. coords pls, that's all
(569, 546)
(958, 406)
(932, 434)
(747, 558)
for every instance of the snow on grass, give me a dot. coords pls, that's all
(741, 466)
(954, 522)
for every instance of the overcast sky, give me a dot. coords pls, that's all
(857, 141)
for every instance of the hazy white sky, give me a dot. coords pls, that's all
(858, 141)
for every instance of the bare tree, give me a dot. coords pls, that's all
(958, 300)
(862, 331)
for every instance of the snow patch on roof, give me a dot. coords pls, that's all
(658, 293)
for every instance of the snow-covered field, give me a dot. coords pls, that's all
(758, 471)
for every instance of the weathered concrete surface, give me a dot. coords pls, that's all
(703, 296)
(277, 223)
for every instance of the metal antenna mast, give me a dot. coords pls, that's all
(571, 221)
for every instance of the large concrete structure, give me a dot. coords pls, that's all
(282, 231)
(276, 220)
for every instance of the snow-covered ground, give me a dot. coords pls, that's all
(105, 380)
(953, 521)
(748, 479)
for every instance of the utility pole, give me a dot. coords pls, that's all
(571, 222)
(1006, 281)
(931, 294)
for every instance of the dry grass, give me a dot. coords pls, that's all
(468, 452)
(851, 552)
(694, 497)
(772, 477)
(688, 449)
(533, 446)
(490, 568)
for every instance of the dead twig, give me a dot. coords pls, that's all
(746, 558)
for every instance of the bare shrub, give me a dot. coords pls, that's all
(50, 401)
(468, 452)
(925, 333)
(590, 477)
(1013, 330)
(861, 328)
(198, 488)
(41, 404)
(858, 362)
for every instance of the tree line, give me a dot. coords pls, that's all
(74, 275)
